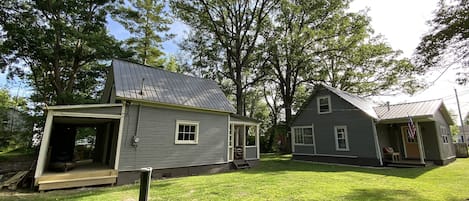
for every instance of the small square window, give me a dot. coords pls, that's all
(324, 104)
(186, 132)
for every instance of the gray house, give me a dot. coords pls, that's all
(177, 124)
(338, 127)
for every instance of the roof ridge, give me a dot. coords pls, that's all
(164, 70)
(420, 101)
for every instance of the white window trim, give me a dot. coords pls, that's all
(319, 104)
(185, 122)
(294, 135)
(347, 148)
(444, 134)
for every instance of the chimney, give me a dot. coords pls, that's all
(387, 105)
(141, 87)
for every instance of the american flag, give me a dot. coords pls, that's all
(412, 130)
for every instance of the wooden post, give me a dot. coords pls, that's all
(145, 180)
(42, 158)
(258, 145)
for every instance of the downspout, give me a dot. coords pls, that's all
(377, 147)
(135, 138)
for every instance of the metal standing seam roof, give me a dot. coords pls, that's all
(161, 86)
(414, 109)
(361, 103)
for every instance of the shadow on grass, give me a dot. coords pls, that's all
(382, 194)
(280, 164)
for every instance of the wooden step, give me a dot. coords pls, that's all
(76, 174)
(241, 164)
(78, 182)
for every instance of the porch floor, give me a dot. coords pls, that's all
(406, 163)
(84, 174)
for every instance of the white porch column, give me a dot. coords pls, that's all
(419, 139)
(244, 141)
(41, 161)
(257, 142)
(119, 137)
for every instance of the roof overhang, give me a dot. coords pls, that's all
(425, 118)
(83, 106)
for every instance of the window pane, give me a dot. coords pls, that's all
(324, 108)
(308, 139)
(191, 136)
(308, 131)
(180, 136)
(186, 128)
(186, 136)
(341, 143)
(323, 101)
(181, 128)
(192, 129)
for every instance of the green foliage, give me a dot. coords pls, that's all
(15, 123)
(59, 46)
(146, 20)
(224, 41)
(454, 130)
(447, 42)
(173, 65)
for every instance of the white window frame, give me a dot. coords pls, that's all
(190, 123)
(303, 127)
(347, 148)
(444, 134)
(318, 100)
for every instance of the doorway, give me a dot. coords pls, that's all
(411, 146)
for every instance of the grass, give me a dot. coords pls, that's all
(15, 154)
(279, 178)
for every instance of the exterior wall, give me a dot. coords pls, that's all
(359, 130)
(447, 150)
(156, 132)
(431, 141)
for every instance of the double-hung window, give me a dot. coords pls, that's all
(187, 132)
(324, 104)
(303, 135)
(341, 138)
(444, 134)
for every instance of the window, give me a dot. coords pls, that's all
(444, 134)
(341, 139)
(303, 135)
(250, 136)
(324, 104)
(187, 132)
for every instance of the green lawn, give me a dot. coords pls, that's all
(279, 178)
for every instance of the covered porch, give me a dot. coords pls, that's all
(398, 148)
(80, 146)
(243, 139)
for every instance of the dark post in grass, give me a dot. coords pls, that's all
(145, 179)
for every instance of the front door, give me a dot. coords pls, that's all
(410, 144)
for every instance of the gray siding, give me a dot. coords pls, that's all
(304, 149)
(447, 150)
(251, 152)
(359, 127)
(156, 131)
(431, 140)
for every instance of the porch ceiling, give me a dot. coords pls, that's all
(81, 120)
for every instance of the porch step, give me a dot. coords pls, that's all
(241, 164)
(50, 181)
(407, 165)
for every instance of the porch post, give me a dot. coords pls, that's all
(419, 140)
(257, 142)
(119, 136)
(244, 141)
(42, 158)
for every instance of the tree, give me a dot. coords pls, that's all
(146, 20)
(59, 46)
(225, 40)
(15, 127)
(319, 42)
(447, 43)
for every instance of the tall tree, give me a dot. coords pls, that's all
(147, 21)
(318, 41)
(59, 45)
(225, 39)
(447, 43)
